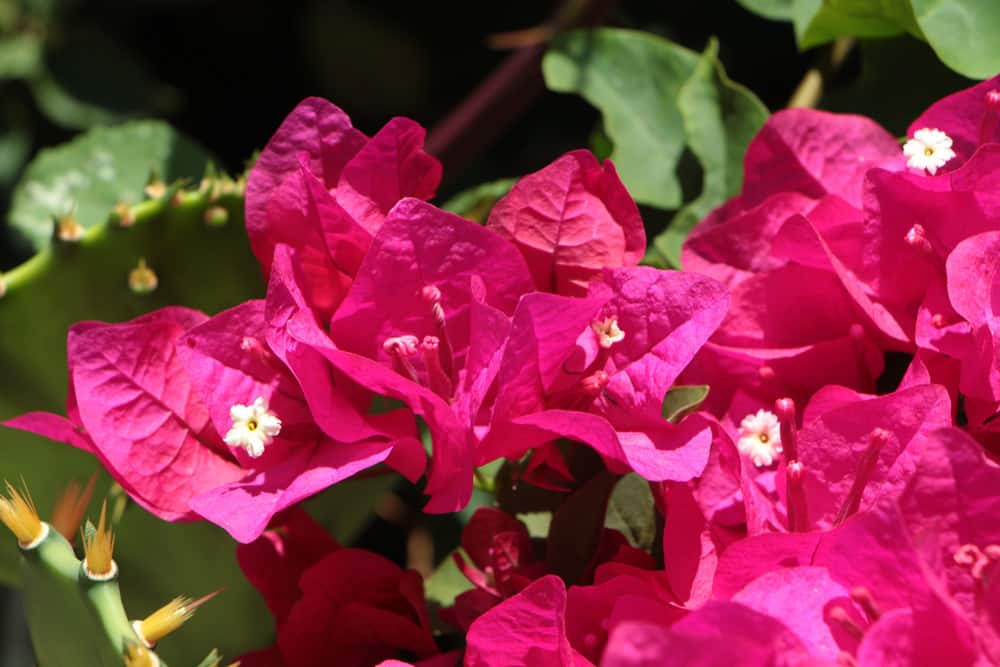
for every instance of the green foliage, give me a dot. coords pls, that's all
(658, 99)
(446, 583)
(88, 176)
(682, 400)
(477, 202)
(632, 511)
(961, 32)
(575, 532)
(720, 118)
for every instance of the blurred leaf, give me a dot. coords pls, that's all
(538, 523)
(600, 143)
(963, 33)
(20, 56)
(15, 139)
(632, 510)
(899, 78)
(446, 583)
(575, 532)
(88, 79)
(477, 202)
(778, 10)
(682, 400)
(97, 170)
(634, 78)
(720, 118)
(820, 21)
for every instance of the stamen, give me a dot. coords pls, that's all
(432, 295)
(939, 321)
(991, 118)
(785, 407)
(864, 599)
(866, 466)
(795, 494)
(970, 556)
(766, 373)
(400, 348)
(439, 382)
(840, 616)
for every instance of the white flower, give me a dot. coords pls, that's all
(928, 149)
(608, 331)
(254, 426)
(760, 437)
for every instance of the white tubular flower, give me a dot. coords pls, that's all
(608, 332)
(928, 149)
(760, 437)
(254, 426)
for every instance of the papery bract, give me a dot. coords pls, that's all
(571, 220)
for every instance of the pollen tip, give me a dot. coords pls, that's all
(430, 294)
(18, 513)
(879, 438)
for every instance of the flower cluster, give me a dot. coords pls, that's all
(814, 508)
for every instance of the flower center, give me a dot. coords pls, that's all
(435, 350)
(254, 427)
(928, 151)
(760, 438)
(608, 332)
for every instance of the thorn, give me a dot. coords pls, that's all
(122, 215)
(169, 618)
(67, 516)
(142, 279)
(18, 513)
(68, 229)
(99, 548)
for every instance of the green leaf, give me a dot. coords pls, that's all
(634, 79)
(778, 10)
(477, 202)
(682, 400)
(20, 55)
(575, 532)
(97, 170)
(89, 79)
(963, 33)
(900, 77)
(719, 118)
(632, 511)
(446, 583)
(538, 523)
(820, 21)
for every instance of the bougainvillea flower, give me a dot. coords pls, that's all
(331, 604)
(527, 629)
(422, 323)
(970, 118)
(131, 394)
(719, 634)
(571, 220)
(789, 332)
(229, 354)
(323, 187)
(144, 408)
(920, 562)
(816, 153)
(596, 370)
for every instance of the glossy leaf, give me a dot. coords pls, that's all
(682, 400)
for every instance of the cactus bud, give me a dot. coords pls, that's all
(98, 549)
(142, 279)
(122, 215)
(67, 516)
(216, 216)
(68, 229)
(155, 188)
(18, 513)
(168, 618)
